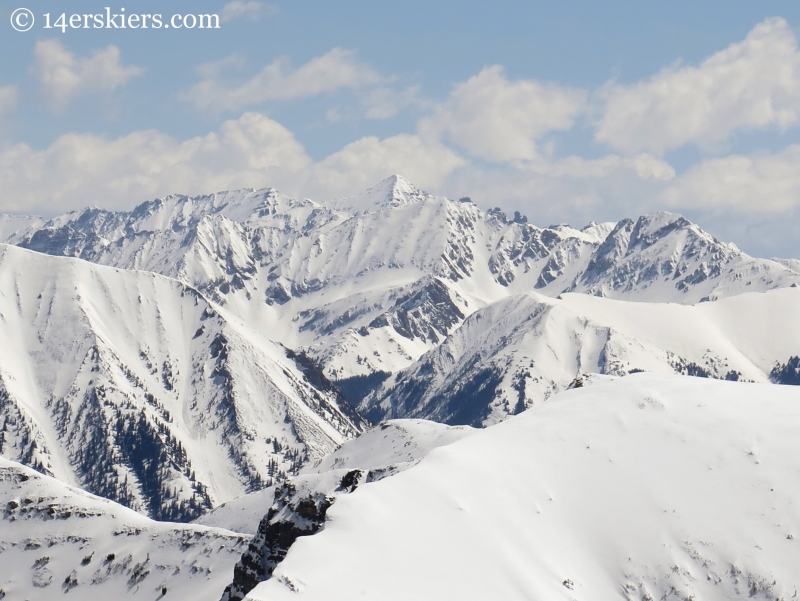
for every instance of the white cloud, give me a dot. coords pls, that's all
(253, 151)
(63, 76)
(644, 165)
(500, 120)
(761, 183)
(9, 95)
(82, 169)
(238, 9)
(751, 85)
(369, 160)
(336, 69)
(384, 103)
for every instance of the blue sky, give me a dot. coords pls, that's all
(569, 112)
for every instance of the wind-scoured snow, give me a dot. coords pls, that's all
(520, 350)
(57, 540)
(646, 487)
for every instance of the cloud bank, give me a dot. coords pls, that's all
(493, 137)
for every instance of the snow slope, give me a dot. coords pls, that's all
(520, 350)
(300, 504)
(648, 487)
(135, 387)
(55, 539)
(370, 283)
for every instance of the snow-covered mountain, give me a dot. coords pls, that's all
(386, 449)
(299, 505)
(520, 350)
(366, 285)
(646, 487)
(135, 387)
(55, 539)
(449, 311)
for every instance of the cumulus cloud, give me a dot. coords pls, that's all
(8, 99)
(63, 76)
(334, 70)
(384, 103)
(501, 120)
(81, 169)
(239, 9)
(252, 151)
(761, 183)
(751, 85)
(369, 160)
(644, 165)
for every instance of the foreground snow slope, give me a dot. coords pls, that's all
(520, 350)
(647, 487)
(300, 504)
(55, 539)
(137, 388)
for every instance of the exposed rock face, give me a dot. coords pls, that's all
(300, 504)
(57, 539)
(372, 282)
(387, 293)
(294, 513)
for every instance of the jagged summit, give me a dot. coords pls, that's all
(366, 285)
(394, 191)
(369, 283)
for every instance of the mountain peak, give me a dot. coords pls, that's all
(394, 191)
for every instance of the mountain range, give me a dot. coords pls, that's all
(224, 360)
(366, 285)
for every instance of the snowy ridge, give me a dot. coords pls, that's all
(519, 351)
(135, 387)
(384, 450)
(300, 504)
(647, 487)
(394, 191)
(55, 539)
(328, 277)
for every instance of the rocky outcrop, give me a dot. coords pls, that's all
(298, 510)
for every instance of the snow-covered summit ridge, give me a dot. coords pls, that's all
(370, 283)
(520, 350)
(395, 191)
(300, 504)
(386, 449)
(647, 487)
